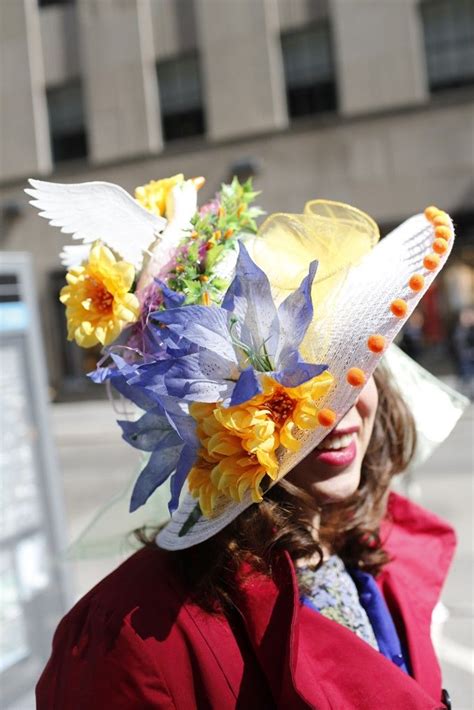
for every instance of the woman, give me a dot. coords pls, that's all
(287, 576)
(233, 622)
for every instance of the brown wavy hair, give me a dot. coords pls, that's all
(350, 528)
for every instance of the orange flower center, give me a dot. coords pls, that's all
(101, 298)
(280, 406)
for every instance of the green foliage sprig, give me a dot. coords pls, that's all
(215, 230)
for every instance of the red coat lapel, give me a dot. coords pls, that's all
(336, 668)
(421, 546)
(310, 661)
(269, 609)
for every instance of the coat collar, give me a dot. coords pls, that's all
(421, 547)
(311, 661)
(269, 609)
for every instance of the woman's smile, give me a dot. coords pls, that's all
(332, 470)
(339, 448)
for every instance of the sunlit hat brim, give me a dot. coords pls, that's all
(361, 307)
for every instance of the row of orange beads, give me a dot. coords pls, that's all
(442, 233)
(356, 378)
(399, 307)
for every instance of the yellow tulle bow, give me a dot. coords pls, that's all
(337, 235)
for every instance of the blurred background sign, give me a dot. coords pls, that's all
(33, 587)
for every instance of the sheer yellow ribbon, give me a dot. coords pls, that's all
(337, 235)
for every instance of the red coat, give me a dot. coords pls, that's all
(135, 642)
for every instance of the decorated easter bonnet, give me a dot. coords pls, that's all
(239, 347)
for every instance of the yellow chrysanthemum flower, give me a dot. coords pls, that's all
(97, 299)
(154, 194)
(293, 407)
(239, 443)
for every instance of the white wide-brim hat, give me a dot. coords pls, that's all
(364, 292)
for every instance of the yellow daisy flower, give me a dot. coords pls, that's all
(154, 194)
(97, 299)
(293, 407)
(239, 443)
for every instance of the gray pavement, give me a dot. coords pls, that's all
(445, 485)
(95, 465)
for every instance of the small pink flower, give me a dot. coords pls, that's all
(211, 207)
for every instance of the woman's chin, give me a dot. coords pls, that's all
(330, 475)
(337, 487)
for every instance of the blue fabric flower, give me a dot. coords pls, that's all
(168, 433)
(209, 354)
(235, 343)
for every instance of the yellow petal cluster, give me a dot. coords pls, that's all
(153, 195)
(238, 444)
(97, 299)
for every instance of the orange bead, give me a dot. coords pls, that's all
(326, 417)
(431, 212)
(442, 220)
(399, 307)
(431, 262)
(443, 233)
(416, 282)
(376, 343)
(356, 377)
(440, 246)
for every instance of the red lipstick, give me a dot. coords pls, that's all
(336, 457)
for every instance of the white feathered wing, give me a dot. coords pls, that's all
(98, 210)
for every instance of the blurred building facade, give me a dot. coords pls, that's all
(369, 102)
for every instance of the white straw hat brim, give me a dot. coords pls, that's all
(360, 308)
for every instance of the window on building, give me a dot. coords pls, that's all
(44, 3)
(9, 288)
(309, 70)
(179, 84)
(66, 122)
(449, 42)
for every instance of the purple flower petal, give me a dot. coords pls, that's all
(182, 423)
(151, 432)
(186, 460)
(135, 393)
(295, 315)
(297, 371)
(193, 377)
(171, 299)
(102, 374)
(247, 387)
(161, 465)
(206, 326)
(249, 297)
